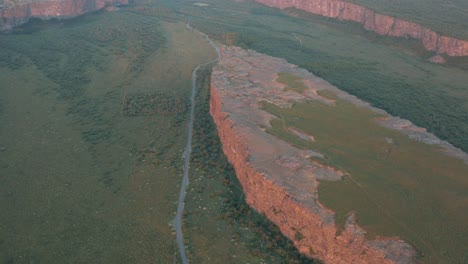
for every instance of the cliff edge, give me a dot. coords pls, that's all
(280, 180)
(13, 14)
(378, 23)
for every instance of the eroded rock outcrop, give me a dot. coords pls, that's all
(13, 14)
(280, 180)
(378, 23)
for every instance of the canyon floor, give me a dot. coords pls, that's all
(93, 127)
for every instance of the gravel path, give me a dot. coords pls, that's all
(188, 150)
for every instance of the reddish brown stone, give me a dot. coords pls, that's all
(437, 59)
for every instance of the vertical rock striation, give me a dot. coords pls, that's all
(278, 179)
(12, 15)
(378, 23)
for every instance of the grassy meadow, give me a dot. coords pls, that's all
(293, 82)
(84, 177)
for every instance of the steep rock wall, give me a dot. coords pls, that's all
(15, 15)
(378, 23)
(277, 179)
(317, 236)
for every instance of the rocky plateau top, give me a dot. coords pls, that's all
(281, 180)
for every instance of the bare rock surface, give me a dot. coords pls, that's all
(281, 180)
(301, 134)
(437, 59)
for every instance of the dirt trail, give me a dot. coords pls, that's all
(188, 150)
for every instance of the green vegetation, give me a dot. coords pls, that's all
(219, 225)
(293, 82)
(446, 17)
(83, 43)
(154, 104)
(81, 180)
(460, 62)
(396, 185)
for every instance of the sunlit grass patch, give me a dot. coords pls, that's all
(292, 81)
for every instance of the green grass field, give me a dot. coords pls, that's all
(83, 179)
(293, 82)
(397, 186)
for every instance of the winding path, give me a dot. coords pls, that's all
(188, 150)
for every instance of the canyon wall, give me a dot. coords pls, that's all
(279, 180)
(12, 15)
(378, 23)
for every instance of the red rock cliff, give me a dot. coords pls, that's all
(381, 24)
(14, 15)
(278, 179)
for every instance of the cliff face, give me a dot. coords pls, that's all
(378, 23)
(278, 179)
(12, 15)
